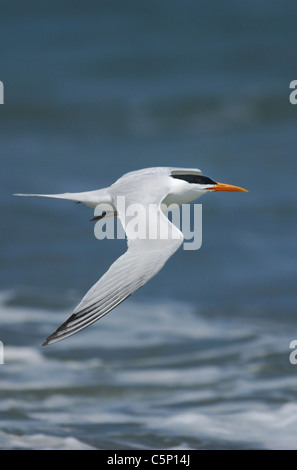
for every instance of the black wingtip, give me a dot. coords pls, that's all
(49, 339)
(98, 217)
(53, 338)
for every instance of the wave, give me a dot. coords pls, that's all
(151, 375)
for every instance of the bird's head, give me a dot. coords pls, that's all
(202, 184)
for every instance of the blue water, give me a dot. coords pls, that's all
(199, 357)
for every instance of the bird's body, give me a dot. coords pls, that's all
(146, 255)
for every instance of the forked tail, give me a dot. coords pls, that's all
(89, 198)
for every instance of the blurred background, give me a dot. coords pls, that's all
(198, 358)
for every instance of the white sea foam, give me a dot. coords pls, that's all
(163, 368)
(44, 442)
(22, 355)
(261, 426)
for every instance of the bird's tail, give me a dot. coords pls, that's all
(89, 198)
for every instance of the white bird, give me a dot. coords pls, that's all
(144, 257)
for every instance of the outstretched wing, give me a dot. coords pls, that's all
(143, 259)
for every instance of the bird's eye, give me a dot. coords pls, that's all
(194, 179)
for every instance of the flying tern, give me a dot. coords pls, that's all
(152, 188)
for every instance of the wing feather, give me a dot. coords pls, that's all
(143, 259)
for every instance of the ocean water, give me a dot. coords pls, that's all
(199, 358)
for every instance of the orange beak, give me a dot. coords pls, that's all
(227, 187)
